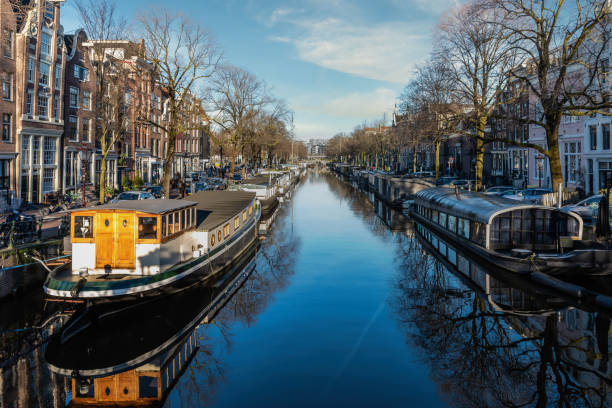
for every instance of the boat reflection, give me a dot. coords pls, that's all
(137, 353)
(492, 339)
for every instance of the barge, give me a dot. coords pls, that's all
(517, 237)
(140, 248)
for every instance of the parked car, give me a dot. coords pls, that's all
(533, 195)
(156, 191)
(133, 195)
(237, 177)
(200, 186)
(424, 174)
(587, 208)
(499, 190)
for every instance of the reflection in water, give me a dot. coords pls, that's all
(493, 340)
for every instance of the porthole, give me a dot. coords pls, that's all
(219, 236)
(125, 391)
(212, 240)
(125, 223)
(107, 391)
(106, 222)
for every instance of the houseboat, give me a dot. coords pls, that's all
(144, 247)
(265, 189)
(121, 359)
(520, 238)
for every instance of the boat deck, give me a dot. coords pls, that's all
(66, 275)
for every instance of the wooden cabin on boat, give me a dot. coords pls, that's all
(497, 223)
(143, 237)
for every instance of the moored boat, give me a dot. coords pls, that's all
(518, 237)
(146, 247)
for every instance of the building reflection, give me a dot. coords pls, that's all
(494, 339)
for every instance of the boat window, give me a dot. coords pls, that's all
(83, 226)
(452, 223)
(226, 230)
(147, 386)
(463, 227)
(164, 223)
(147, 227)
(212, 240)
(244, 215)
(188, 222)
(477, 232)
(177, 221)
(219, 235)
(236, 222)
(442, 220)
(183, 220)
(250, 209)
(434, 216)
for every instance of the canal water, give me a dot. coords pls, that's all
(347, 303)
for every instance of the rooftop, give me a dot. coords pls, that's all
(152, 206)
(217, 207)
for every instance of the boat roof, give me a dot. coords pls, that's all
(471, 205)
(152, 206)
(217, 207)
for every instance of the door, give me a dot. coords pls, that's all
(105, 240)
(124, 244)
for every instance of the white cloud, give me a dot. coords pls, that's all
(386, 51)
(362, 105)
(278, 14)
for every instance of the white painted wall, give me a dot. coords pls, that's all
(147, 258)
(83, 256)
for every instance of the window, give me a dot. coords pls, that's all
(74, 97)
(70, 168)
(251, 209)
(49, 8)
(212, 240)
(183, 220)
(43, 105)
(593, 136)
(177, 221)
(73, 128)
(45, 44)
(128, 98)
(226, 230)
(85, 135)
(29, 98)
(7, 86)
(25, 151)
(147, 227)
(244, 215)
(163, 226)
(58, 76)
(7, 48)
(572, 161)
(7, 120)
(48, 177)
(56, 106)
(83, 226)
(86, 100)
(49, 151)
(188, 222)
(219, 236)
(236, 223)
(43, 74)
(31, 65)
(81, 73)
(36, 150)
(605, 136)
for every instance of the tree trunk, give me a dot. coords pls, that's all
(478, 168)
(438, 159)
(102, 180)
(554, 158)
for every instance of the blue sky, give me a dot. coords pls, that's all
(337, 63)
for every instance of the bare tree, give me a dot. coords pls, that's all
(428, 103)
(239, 100)
(476, 51)
(563, 65)
(184, 55)
(103, 25)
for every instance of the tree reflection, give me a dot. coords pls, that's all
(275, 265)
(482, 357)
